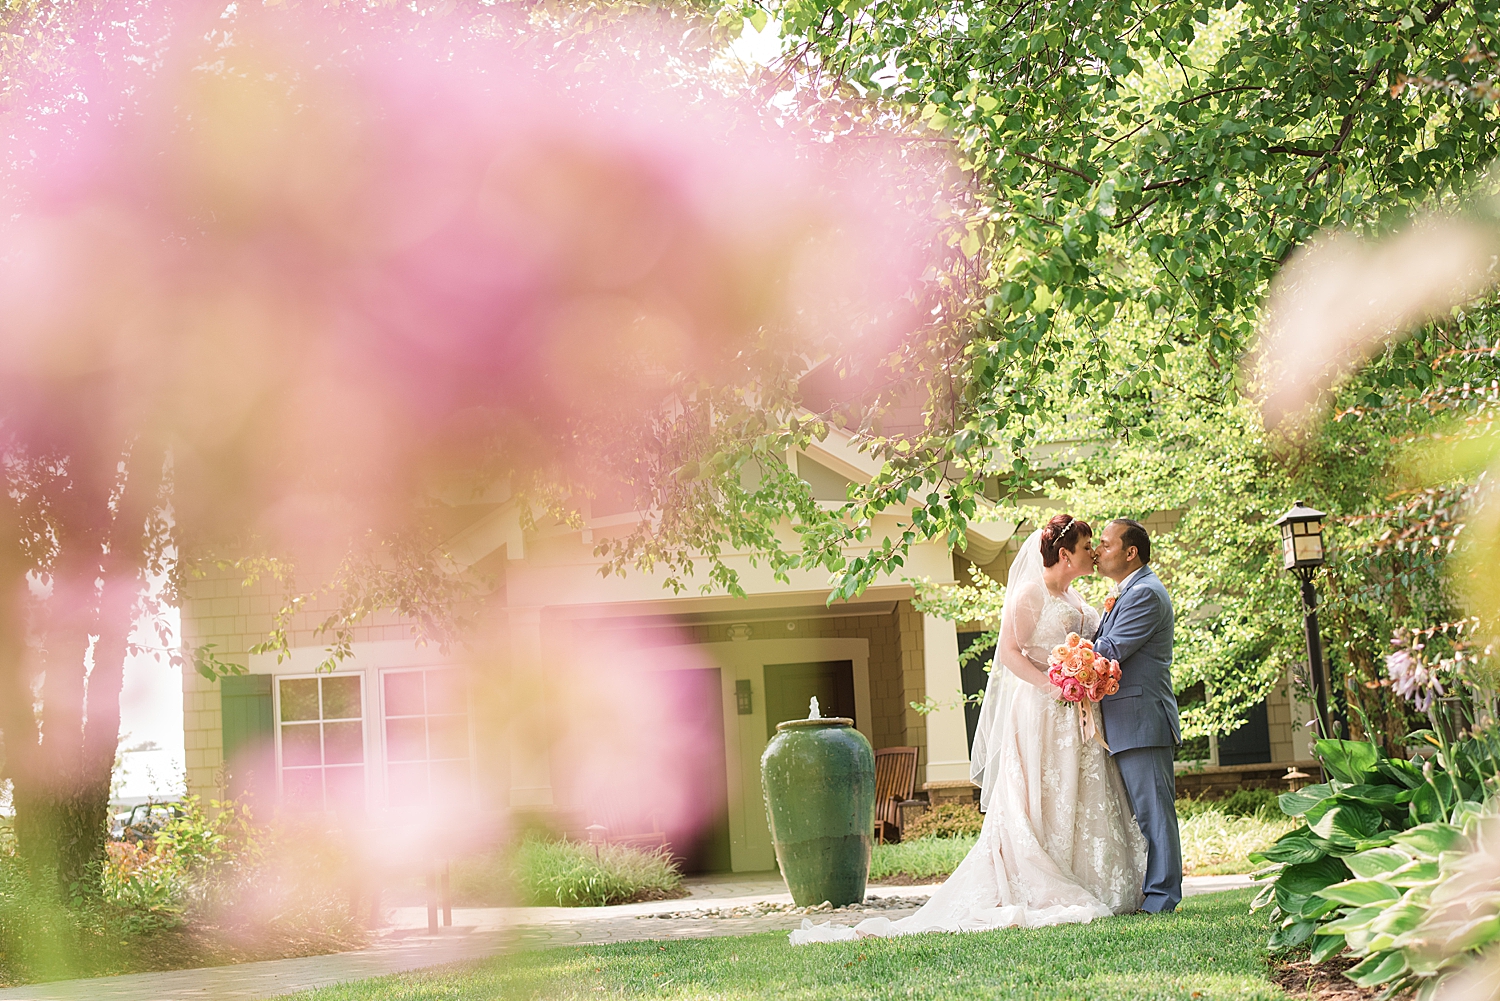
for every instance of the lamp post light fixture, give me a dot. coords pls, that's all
(597, 835)
(1302, 553)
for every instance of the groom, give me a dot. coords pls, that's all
(1140, 720)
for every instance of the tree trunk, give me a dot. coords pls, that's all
(62, 765)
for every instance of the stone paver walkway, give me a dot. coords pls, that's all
(486, 931)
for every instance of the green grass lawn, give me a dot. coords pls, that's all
(1213, 843)
(925, 858)
(1212, 949)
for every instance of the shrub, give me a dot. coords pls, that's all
(1251, 802)
(1240, 803)
(950, 820)
(569, 874)
(487, 880)
(202, 891)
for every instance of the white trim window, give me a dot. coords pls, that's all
(428, 756)
(321, 739)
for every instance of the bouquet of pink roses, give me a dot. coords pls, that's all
(1082, 673)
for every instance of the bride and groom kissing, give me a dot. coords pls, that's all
(1074, 828)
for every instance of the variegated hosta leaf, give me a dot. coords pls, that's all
(1416, 873)
(1325, 946)
(1361, 892)
(1378, 968)
(1368, 864)
(1432, 839)
(1355, 921)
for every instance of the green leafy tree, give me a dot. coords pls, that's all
(1119, 158)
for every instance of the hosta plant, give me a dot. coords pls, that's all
(1419, 907)
(1377, 841)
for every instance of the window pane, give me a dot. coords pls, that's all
(343, 743)
(448, 736)
(346, 787)
(403, 693)
(341, 697)
(406, 739)
(450, 781)
(408, 783)
(303, 787)
(446, 692)
(1309, 547)
(299, 698)
(300, 744)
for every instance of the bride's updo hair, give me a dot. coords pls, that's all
(1062, 532)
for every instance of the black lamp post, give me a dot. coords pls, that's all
(1302, 553)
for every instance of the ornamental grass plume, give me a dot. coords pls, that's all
(329, 266)
(288, 280)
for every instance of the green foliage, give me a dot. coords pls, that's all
(947, 820)
(569, 874)
(484, 880)
(190, 859)
(1124, 167)
(1417, 908)
(928, 859)
(980, 600)
(1249, 803)
(1360, 871)
(205, 890)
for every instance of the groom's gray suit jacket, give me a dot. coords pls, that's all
(1137, 632)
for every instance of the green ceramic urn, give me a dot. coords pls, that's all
(819, 781)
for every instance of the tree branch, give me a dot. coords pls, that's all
(1175, 182)
(1056, 166)
(1134, 215)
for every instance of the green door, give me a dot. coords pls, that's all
(249, 736)
(789, 688)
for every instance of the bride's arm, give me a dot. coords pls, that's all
(1027, 610)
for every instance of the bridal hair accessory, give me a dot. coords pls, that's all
(1083, 675)
(1064, 530)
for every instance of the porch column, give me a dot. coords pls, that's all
(530, 767)
(947, 737)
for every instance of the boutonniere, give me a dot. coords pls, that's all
(1110, 599)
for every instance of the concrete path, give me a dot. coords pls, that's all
(720, 906)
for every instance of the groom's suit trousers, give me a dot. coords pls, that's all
(1151, 787)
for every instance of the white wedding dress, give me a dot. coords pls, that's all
(1059, 843)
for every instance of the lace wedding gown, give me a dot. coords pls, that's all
(1059, 844)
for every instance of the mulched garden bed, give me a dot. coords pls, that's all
(1323, 981)
(905, 879)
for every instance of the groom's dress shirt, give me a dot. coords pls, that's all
(1119, 589)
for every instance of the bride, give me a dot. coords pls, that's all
(1058, 844)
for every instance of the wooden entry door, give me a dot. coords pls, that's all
(696, 701)
(789, 688)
